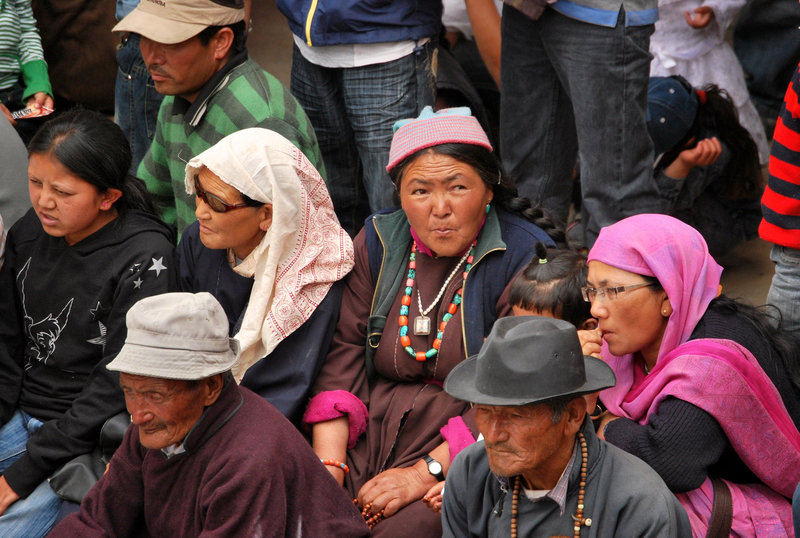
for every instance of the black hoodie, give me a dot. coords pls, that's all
(62, 319)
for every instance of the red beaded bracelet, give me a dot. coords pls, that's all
(335, 463)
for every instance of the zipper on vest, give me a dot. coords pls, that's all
(309, 20)
(380, 273)
(464, 296)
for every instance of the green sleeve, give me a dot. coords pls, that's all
(34, 75)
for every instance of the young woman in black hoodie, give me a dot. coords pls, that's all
(88, 249)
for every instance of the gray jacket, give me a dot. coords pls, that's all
(624, 497)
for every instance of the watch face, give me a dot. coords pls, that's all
(435, 467)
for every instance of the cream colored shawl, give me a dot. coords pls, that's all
(305, 249)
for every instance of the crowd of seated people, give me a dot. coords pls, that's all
(451, 367)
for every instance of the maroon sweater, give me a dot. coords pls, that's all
(246, 472)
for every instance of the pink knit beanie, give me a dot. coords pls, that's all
(450, 125)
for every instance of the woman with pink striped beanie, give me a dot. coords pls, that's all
(430, 279)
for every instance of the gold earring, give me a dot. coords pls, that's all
(664, 311)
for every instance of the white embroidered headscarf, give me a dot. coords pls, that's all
(305, 249)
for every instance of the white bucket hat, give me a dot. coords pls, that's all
(176, 336)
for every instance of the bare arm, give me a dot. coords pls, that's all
(485, 21)
(329, 440)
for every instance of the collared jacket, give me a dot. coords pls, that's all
(334, 22)
(244, 471)
(504, 247)
(623, 497)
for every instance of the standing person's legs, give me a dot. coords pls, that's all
(34, 515)
(606, 72)
(319, 92)
(784, 293)
(375, 97)
(136, 100)
(537, 132)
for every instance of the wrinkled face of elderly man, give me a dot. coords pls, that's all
(165, 410)
(533, 440)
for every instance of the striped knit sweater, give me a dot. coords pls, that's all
(780, 203)
(21, 49)
(239, 96)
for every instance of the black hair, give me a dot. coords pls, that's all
(239, 35)
(552, 281)
(490, 171)
(764, 322)
(717, 114)
(93, 148)
(761, 320)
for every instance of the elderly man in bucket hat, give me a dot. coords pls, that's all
(204, 456)
(540, 469)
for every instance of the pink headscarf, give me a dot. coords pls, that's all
(677, 255)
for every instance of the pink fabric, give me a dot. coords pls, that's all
(725, 380)
(673, 252)
(457, 435)
(719, 376)
(451, 125)
(333, 404)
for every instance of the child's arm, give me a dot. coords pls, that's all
(705, 153)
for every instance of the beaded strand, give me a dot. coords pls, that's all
(405, 302)
(578, 518)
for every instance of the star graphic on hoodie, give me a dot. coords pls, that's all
(99, 340)
(94, 311)
(158, 266)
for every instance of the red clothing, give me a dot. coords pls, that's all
(780, 203)
(246, 472)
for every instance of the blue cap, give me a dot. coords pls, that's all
(671, 109)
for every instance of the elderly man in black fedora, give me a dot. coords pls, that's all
(540, 469)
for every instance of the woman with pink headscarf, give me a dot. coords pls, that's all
(707, 392)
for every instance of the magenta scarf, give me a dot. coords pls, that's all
(725, 380)
(719, 376)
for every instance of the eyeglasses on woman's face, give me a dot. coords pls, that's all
(609, 293)
(217, 204)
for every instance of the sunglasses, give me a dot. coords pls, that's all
(217, 204)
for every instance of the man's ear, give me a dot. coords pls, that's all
(575, 414)
(222, 43)
(589, 324)
(212, 386)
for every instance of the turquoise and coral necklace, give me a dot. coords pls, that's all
(422, 324)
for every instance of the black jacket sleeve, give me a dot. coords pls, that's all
(680, 441)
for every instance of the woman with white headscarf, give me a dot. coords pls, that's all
(269, 247)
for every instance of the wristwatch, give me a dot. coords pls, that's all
(434, 467)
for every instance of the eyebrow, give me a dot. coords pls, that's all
(425, 181)
(603, 283)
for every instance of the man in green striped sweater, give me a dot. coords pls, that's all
(195, 53)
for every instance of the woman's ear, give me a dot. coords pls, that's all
(109, 197)
(589, 325)
(666, 307)
(266, 217)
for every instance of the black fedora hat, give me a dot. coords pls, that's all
(528, 359)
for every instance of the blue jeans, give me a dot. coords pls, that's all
(784, 293)
(136, 100)
(353, 111)
(570, 87)
(766, 43)
(34, 515)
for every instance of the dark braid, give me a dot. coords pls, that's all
(490, 171)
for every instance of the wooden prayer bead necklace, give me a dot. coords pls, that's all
(578, 517)
(422, 323)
